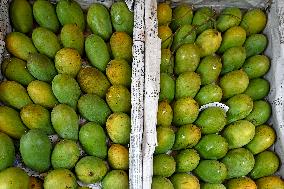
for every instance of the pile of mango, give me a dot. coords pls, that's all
(208, 57)
(69, 74)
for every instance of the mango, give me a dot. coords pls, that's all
(167, 87)
(41, 93)
(211, 120)
(208, 94)
(229, 17)
(167, 62)
(45, 15)
(258, 88)
(166, 35)
(97, 52)
(14, 94)
(209, 42)
(256, 66)
(99, 21)
(187, 136)
(47, 47)
(185, 181)
(7, 151)
(165, 139)
(243, 182)
(71, 36)
(163, 165)
(60, 179)
(122, 18)
(65, 154)
(239, 162)
(255, 44)
(16, 70)
(233, 59)
(118, 157)
(212, 186)
(187, 85)
(202, 19)
(116, 179)
(93, 108)
(19, 45)
(70, 12)
(164, 114)
(161, 183)
(185, 34)
(260, 113)
(35, 116)
(14, 178)
(21, 15)
(65, 121)
(41, 67)
(240, 107)
(270, 182)
(164, 14)
(118, 72)
(254, 21)
(93, 139)
(181, 15)
(35, 148)
(118, 99)
(187, 160)
(91, 169)
(121, 46)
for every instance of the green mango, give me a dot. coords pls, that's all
(209, 69)
(187, 160)
(122, 18)
(118, 128)
(16, 70)
(161, 183)
(71, 36)
(66, 89)
(165, 139)
(14, 94)
(240, 107)
(45, 15)
(211, 171)
(233, 37)
(212, 146)
(7, 152)
(243, 182)
(264, 137)
(116, 179)
(166, 35)
(65, 121)
(97, 52)
(118, 157)
(19, 45)
(185, 34)
(118, 72)
(99, 21)
(164, 114)
(258, 88)
(270, 182)
(187, 58)
(47, 47)
(233, 83)
(185, 181)
(239, 133)
(121, 46)
(93, 139)
(91, 80)
(187, 136)
(167, 62)
(40, 121)
(41, 67)
(209, 93)
(167, 87)
(70, 12)
(260, 113)
(93, 108)
(163, 165)
(187, 85)
(91, 169)
(21, 15)
(212, 186)
(186, 111)
(256, 66)
(254, 21)
(14, 178)
(233, 59)
(229, 17)
(164, 13)
(203, 19)
(209, 42)
(211, 120)
(239, 162)
(11, 123)
(181, 15)
(65, 154)
(255, 44)
(266, 163)
(118, 99)
(35, 148)
(60, 179)
(41, 93)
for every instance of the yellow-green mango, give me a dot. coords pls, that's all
(163, 165)
(116, 179)
(187, 160)
(166, 36)
(255, 44)
(167, 62)
(165, 139)
(203, 19)
(229, 17)
(254, 21)
(243, 182)
(118, 72)
(167, 87)
(164, 14)
(209, 42)
(164, 114)
(121, 46)
(269, 182)
(184, 34)
(212, 186)
(118, 157)
(185, 181)
(181, 15)
(258, 88)
(118, 99)
(256, 66)
(14, 178)
(187, 85)
(260, 113)
(233, 59)
(187, 136)
(209, 93)
(60, 179)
